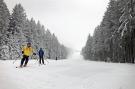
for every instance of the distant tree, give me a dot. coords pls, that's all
(87, 50)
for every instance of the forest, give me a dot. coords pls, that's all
(16, 30)
(114, 39)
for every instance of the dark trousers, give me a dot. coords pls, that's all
(24, 59)
(41, 59)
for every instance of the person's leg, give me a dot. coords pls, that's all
(42, 60)
(26, 61)
(22, 61)
(39, 60)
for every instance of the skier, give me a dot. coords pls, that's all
(56, 58)
(26, 51)
(41, 56)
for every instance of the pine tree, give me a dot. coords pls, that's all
(99, 45)
(17, 26)
(87, 50)
(127, 29)
(4, 22)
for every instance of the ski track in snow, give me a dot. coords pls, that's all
(67, 74)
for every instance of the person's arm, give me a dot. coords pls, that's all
(23, 50)
(43, 52)
(32, 51)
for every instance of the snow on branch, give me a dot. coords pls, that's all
(124, 30)
(122, 25)
(122, 17)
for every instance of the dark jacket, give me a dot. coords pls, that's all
(41, 53)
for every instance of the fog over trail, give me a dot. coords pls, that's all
(75, 55)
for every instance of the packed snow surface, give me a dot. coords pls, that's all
(74, 73)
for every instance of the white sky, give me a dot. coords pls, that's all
(70, 20)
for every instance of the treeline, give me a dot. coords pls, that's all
(16, 30)
(114, 38)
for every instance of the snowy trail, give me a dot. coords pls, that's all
(67, 74)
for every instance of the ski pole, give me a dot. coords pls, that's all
(19, 56)
(14, 61)
(36, 60)
(46, 60)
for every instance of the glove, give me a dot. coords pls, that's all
(34, 53)
(22, 52)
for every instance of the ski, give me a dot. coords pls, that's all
(18, 67)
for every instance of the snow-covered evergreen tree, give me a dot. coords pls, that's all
(4, 24)
(17, 25)
(87, 50)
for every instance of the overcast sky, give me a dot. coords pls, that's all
(70, 20)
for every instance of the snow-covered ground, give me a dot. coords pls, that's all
(67, 74)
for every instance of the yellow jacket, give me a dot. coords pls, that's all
(27, 51)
